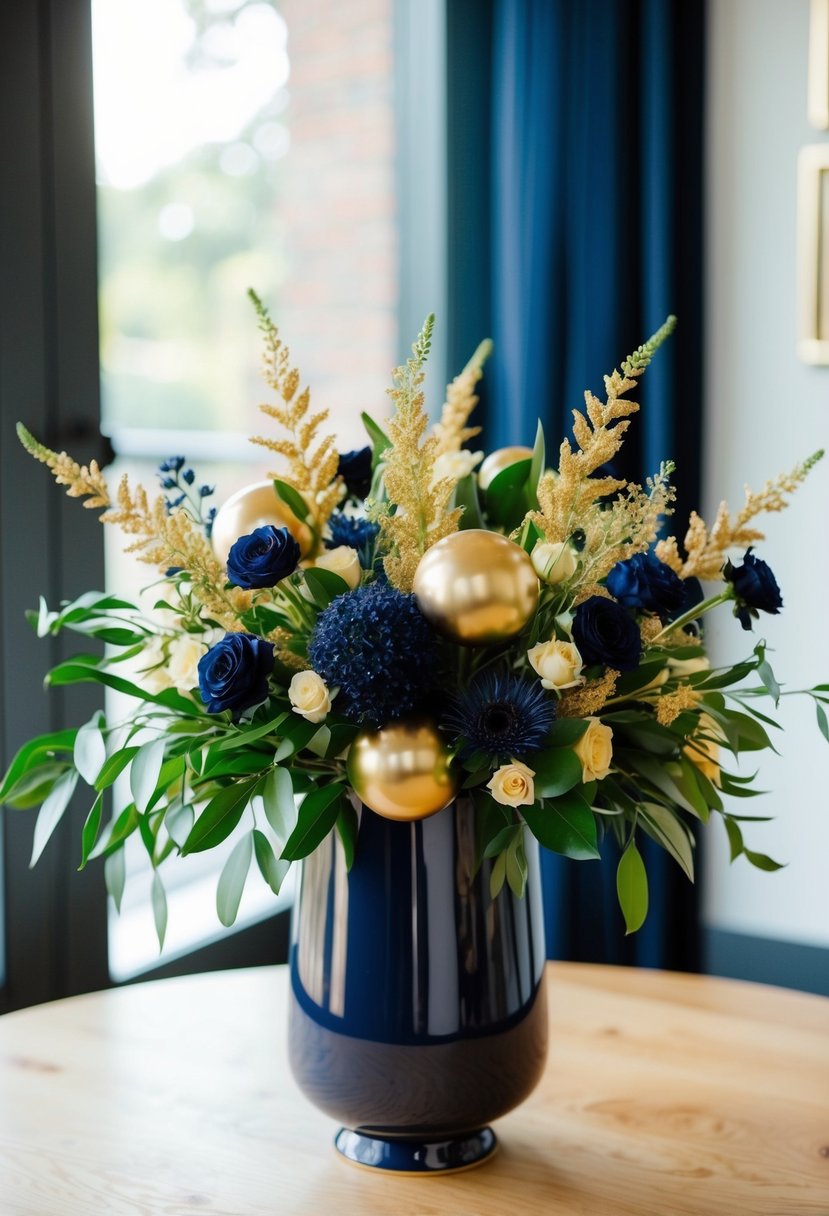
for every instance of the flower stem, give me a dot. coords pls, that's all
(697, 611)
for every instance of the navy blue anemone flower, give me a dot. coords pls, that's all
(501, 715)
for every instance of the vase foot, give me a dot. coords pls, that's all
(404, 1155)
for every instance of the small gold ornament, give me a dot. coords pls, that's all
(402, 770)
(251, 508)
(496, 462)
(476, 587)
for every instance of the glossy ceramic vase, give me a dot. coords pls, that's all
(418, 1012)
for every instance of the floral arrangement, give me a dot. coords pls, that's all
(385, 630)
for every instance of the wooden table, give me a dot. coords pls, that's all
(665, 1094)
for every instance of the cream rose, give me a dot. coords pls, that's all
(183, 664)
(595, 750)
(558, 663)
(554, 563)
(680, 669)
(704, 753)
(452, 466)
(309, 696)
(512, 785)
(151, 670)
(343, 561)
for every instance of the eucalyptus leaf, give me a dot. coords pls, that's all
(90, 750)
(179, 822)
(272, 869)
(232, 880)
(115, 874)
(114, 766)
(159, 902)
(144, 772)
(823, 724)
(39, 751)
(219, 817)
(632, 888)
(91, 828)
(52, 811)
(317, 816)
(280, 804)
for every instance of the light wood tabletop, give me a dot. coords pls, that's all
(665, 1094)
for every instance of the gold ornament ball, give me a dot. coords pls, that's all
(476, 587)
(251, 508)
(401, 771)
(496, 462)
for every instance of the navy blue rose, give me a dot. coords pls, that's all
(355, 470)
(263, 558)
(643, 581)
(755, 589)
(606, 633)
(234, 673)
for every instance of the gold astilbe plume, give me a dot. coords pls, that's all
(589, 698)
(628, 525)
(565, 498)
(288, 658)
(707, 550)
(452, 432)
(312, 473)
(82, 481)
(165, 539)
(671, 704)
(421, 518)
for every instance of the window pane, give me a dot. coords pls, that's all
(240, 143)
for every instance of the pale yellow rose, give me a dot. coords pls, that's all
(595, 750)
(512, 785)
(554, 563)
(183, 664)
(453, 466)
(680, 669)
(343, 561)
(309, 696)
(558, 663)
(704, 753)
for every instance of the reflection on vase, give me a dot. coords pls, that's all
(418, 1013)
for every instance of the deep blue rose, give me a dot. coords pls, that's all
(643, 581)
(234, 673)
(755, 589)
(263, 558)
(606, 633)
(355, 470)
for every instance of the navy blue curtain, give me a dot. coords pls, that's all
(595, 224)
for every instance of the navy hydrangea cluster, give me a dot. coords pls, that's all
(501, 715)
(376, 647)
(358, 534)
(180, 484)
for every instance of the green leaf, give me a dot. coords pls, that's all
(380, 441)
(668, 779)
(556, 772)
(537, 467)
(663, 826)
(324, 585)
(317, 816)
(503, 839)
(347, 829)
(91, 828)
(279, 803)
(490, 819)
(115, 874)
(114, 766)
(565, 825)
(505, 497)
(271, 868)
(90, 751)
(179, 822)
(735, 837)
(497, 876)
(565, 732)
(823, 724)
(145, 771)
(297, 733)
(516, 866)
(33, 787)
(219, 817)
(51, 813)
(292, 498)
(466, 496)
(39, 751)
(232, 880)
(766, 674)
(246, 736)
(632, 888)
(82, 669)
(762, 862)
(122, 828)
(159, 901)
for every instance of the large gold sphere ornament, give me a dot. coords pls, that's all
(476, 587)
(496, 462)
(401, 771)
(251, 508)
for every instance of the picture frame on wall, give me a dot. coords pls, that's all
(818, 91)
(813, 253)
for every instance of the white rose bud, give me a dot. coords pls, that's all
(309, 696)
(558, 663)
(595, 750)
(343, 561)
(183, 666)
(512, 785)
(453, 466)
(554, 563)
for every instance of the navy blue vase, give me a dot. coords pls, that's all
(418, 1012)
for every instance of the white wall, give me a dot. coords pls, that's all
(765, 410)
